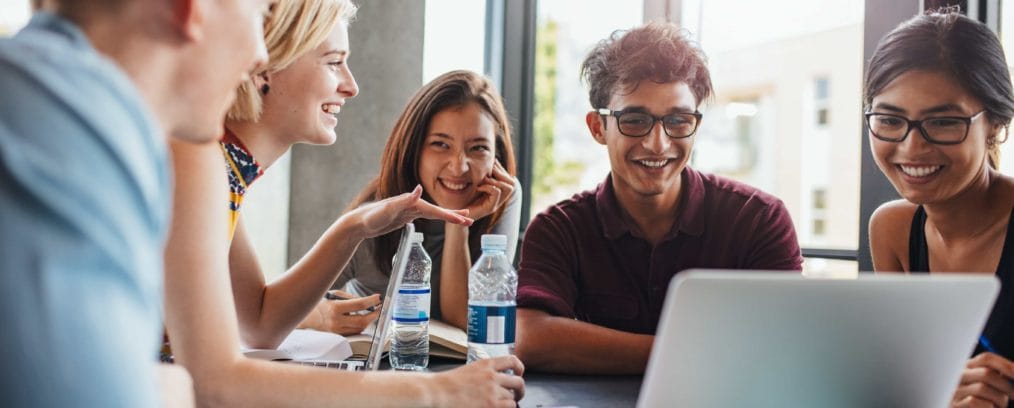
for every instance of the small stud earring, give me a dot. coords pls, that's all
(265, 89)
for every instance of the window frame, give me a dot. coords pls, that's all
(510, 60)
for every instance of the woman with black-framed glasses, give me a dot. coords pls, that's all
(939, 101)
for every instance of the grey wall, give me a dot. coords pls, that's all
(386, 43)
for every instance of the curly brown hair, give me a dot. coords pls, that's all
(657, 52)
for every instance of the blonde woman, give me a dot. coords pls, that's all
(290, 101)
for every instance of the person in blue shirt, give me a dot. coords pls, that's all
(89, 92)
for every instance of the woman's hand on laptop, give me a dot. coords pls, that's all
(482, 383)
(380, 217)
(343, 314)
(985, 382)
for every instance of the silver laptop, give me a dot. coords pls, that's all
(380, 333)
(763, 339)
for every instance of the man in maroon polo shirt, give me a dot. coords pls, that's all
(595, 268)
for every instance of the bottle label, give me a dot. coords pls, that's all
(491, 324)
(412, 305)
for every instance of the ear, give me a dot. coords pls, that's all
(261, 79)
(596, 126)
(188, 17)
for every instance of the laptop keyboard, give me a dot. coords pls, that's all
(340, 365)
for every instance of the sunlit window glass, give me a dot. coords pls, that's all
(453, 36)
(786, 116)
(566, 158)
(14, 14)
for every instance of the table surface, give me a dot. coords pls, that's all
(543, 390)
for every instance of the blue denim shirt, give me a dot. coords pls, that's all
(84, 204)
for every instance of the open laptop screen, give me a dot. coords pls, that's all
(383, 322)
(750, 338)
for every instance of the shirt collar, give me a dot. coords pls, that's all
(50, 24)
(689, 219)
(245, 164)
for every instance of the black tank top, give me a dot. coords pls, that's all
(1000, 326)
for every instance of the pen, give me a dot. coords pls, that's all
(984, 342)
(333, 296)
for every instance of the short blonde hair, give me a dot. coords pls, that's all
(294, 28)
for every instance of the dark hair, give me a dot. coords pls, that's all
(944, 40)
(399, 163)
(657, 52)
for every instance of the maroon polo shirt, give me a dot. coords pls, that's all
(580, 259)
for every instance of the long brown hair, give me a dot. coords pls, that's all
(399, 164)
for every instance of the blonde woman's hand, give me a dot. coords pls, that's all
(482, 383)
(380, 217)
(985, 382)
(495, 191)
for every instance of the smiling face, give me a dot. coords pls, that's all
(305, 98)
(457, 154)
(923, 172)
(647, 166)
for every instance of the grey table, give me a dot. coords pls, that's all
(555, 390)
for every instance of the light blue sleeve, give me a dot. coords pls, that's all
(81, 233)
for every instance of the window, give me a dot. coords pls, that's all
(454, 37)
(13, 16)
(775, 90)
(818, 213)
(730, 139)
(821, 101)
(565, 158)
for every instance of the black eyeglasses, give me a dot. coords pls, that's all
(944, 130)
(637, 124)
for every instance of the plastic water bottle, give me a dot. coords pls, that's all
(410, 347)
(492, 290)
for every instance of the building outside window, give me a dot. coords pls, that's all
(777, 94)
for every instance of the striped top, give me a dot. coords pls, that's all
(243, 169)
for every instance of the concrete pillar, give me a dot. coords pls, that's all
(386, 44)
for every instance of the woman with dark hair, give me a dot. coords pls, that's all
(454, 139)
(938, 103)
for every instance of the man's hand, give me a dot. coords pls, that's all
(483, 383)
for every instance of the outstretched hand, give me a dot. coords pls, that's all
(496, 190)
(380, 217)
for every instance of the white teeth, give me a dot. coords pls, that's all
(919, 171)
(331, 108)
(653, 163)
(454, 186)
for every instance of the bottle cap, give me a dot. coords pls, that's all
(416, 237)
(494, 241)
